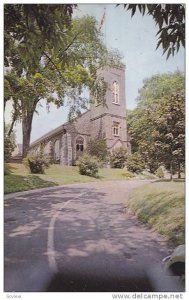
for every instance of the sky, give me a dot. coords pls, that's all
(136, 39)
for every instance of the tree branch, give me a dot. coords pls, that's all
(12, 125)
(67, 47)
(59, 72)
(74, 38)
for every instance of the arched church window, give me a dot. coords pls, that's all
(115, 92)
(80, 144)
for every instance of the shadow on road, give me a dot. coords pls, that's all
(99, 247)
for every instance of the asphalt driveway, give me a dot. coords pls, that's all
(80, 238)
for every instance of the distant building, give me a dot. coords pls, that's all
(67, 142)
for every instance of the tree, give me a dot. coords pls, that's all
(118, 158)
(158, 86)
(30, 31)
(115, 58)
(48, 58)
(9, 143)
(157, 126)
(98, 148)
(135, 163)
(30, 27)
(170, 138)
(170, 19)
(141, 129)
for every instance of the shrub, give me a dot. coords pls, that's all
(98, 148)
(9, 145)
(88, 165)
(118, 158)
(135, 163)
(37, 162)
(159, 172)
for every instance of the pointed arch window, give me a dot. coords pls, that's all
(115, 92)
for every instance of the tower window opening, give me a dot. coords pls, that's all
(115, 128)
(115, 92)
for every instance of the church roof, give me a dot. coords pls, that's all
(56, 130)
(48, 134)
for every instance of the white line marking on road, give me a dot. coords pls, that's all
(50, 239)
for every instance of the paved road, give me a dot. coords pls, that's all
(80, 238)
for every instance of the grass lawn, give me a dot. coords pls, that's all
(162, 205)
(21, 180)
(18, 183)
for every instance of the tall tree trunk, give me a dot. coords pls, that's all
(16, 115)
(179, 172)
(171, 170)
(26, 128)
(11, 127)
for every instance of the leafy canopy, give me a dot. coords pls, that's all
(48, 57)
(157, 125)
(97, 147)
(31, 27)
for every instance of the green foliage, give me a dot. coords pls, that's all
(170, 19)
(98, 148)
(135, 163)
(161, 205)
(118, 158)
(37, 162)
(156, 126)
(9, 143)
(159, 172)
(32, 27)
(9, 146)
(98, 90)
(157, 87)
(51, 56)
(170, 137)
(88, 165)
(114, 58)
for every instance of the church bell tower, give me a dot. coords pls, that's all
(109, 120)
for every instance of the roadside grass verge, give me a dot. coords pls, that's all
(18, 183)
(19, 178)
(161, 205)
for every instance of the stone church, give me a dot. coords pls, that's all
(68, 141)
